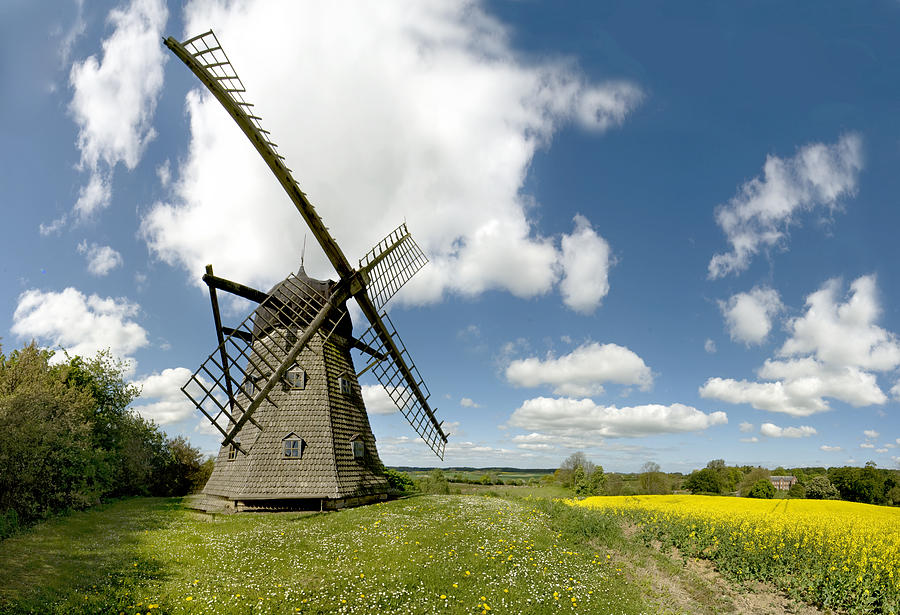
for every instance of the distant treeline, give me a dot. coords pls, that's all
(869, 484)
(68, 439)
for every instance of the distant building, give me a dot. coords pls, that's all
(783, 483)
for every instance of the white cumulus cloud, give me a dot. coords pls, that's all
(772, 430)
(100, 259)
(831, 352)
(585, 262)
(746, 427)
(406, 110)
(831, 449)
(583, 371)
(585, 419)
(114, 98)
(758, 217)
(844, 333)
(749, 315)
(161, 397)
(79, 324)
(377, 399)
(871, 434)
(467, 402)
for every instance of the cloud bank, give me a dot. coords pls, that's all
(583, 371)
(582, 418)
(79, 324)
(406, 110)
(833, 350)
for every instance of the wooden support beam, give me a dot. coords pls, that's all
(223, 355)
(257, 296)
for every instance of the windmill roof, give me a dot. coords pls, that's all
(303, 295)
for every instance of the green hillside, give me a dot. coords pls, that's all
(426, 554)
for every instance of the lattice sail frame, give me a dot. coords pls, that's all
(392, 378)
(254, 351)
(209, 52)
(390, 265)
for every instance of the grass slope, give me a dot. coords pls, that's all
(448, 554)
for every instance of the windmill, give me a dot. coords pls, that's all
(281, 387)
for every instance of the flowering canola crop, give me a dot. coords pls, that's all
(838, 554)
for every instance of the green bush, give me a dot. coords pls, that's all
(704, 481)
(797, 491)
(9, 523)
(68, 439)
(763, 489)
(435, 483)
(399, 481)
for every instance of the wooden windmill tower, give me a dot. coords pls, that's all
(281, 386)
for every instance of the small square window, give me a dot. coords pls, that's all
(233, 451)
(358, 448)
(346, 387)
(296, 378)
(293, 448)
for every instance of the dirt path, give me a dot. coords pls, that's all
(675, 587)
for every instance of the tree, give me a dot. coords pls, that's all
(434, 482)
(763, 488)
(751, 478)
(703, 481)
(184, 469)
(797, 491)
(820, 488)
(579, 481)
(68, 438)
(566, 472)
(652, 480)
(46, 458)
(597, 481)
(864, 485)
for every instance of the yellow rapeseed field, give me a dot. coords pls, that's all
(838, 554)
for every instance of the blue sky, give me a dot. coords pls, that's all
(657, 232)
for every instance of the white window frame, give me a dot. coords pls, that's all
(292, 384)
(292, 447)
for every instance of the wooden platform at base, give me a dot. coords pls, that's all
(220, 505)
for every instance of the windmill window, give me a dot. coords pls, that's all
(233, 450)
(346, 387)
(296, 378)
(357, 447)
(293, 446)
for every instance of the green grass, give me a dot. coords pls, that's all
(448, 554)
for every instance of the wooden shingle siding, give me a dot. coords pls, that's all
(324, 418)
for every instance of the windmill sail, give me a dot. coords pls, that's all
(403, 383)
(207, 60)
(381, 274)
(391, 264)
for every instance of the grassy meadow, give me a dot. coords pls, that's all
(458, 554)
(430, 554)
